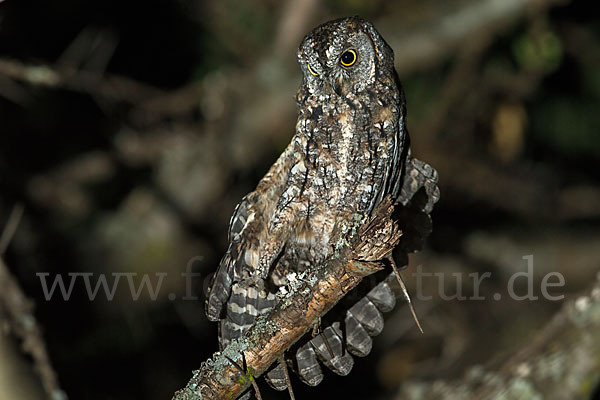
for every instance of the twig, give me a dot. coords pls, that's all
(405, 293)
(246, 376)
(11, 227)
(286, 374)
(316, 331)
(23, 322)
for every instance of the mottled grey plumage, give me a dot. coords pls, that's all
(349, 152)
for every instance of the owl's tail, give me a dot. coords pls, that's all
(240, 300)
(248, 300)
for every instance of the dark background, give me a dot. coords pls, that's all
(129, 131)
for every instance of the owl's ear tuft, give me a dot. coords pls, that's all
(383, 52)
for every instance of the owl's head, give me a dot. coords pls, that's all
(345, 56)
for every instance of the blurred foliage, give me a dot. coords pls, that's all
(538, 51)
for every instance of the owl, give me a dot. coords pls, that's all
(349, 152)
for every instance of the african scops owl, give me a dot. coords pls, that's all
(350, 150)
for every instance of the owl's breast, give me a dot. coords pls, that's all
(346, 154)
(343, 157)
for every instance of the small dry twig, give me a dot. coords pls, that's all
(20, 311)
(11, 227)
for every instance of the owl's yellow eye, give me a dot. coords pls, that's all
(348, 58)
(310, 70)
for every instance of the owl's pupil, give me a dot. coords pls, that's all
(348, 58)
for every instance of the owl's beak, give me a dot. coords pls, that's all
(336, 85)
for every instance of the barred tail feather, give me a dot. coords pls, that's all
(383, 296)
(276, 378)
(219, 290)
(342, 362)
(307, 365)
(357, 338)
(368, 316)
(246, 302)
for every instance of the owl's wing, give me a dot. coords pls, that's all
(237, 293)
(419, 185)
(233, 263)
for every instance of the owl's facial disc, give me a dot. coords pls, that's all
(343, 57)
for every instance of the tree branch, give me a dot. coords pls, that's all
(561, 362)
(435, 39)
(22, 321)
(94, 83)
(316, 291)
